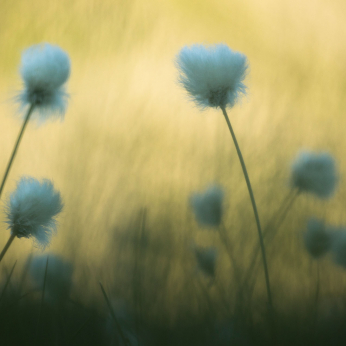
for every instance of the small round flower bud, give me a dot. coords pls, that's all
(206, 260)
(316, 238)
(45, 69)
(314, 173)
(213, 76)
(31, 210)
(207, 206)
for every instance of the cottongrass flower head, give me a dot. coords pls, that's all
(317, 238)
(59, 276)
(213, 76)
(338, 247)
(207, 206)
(32, 208)
(314, 173)
(44, 69)
(206, 260)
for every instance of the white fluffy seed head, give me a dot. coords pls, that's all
(207, 206)
(32, 208)
(213, 76)
(314, 173)
(338, 247)
(206, 260)
(317, 238)
(45, 69)
(59, 276)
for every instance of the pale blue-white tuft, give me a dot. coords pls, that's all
(206, 260)
(207, 206)
(45, 69)
(213, 76)
(317, 238)
(59, 276)
(32, 208)
(314, 173)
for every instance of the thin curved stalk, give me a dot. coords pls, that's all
(253, 202)
(122, 335)
(271, 226)
(42, 300)
(26, 120)
(8, 244)
(230, 252)
(7, 281)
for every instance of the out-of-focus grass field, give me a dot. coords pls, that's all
(132, 140)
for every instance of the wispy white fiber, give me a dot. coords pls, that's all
(59, 276)
(314, 173)
(31, 210)
(206, 260)
(207, 206)
(45, 69)
(317, 238)
(212, 75)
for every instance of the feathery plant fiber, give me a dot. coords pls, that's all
(45, 69)
(213, 76)
(31, 210)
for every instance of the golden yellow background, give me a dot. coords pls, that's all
(131, 139)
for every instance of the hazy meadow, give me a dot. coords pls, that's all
(133, 141)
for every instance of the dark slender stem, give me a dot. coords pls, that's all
(271, 226)
(42, 299)
(229, 249)
(7, 281)
(137, 274)
(253, 202)
(125, 340)
(26, 120)
(9, 242)
(271, 231)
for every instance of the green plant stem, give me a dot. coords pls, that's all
(271, 229)
(230, 252)
(42, 299)
(7, 281)
(137, 273)
(253, 202)
(125, 340)
(26, 120)
(8, 244)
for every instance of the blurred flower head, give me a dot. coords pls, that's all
(207, 206)
(317, 238)
(314, 173)
(44, 69)
(31, 210)
(59, 276)
(206, 260)
(338, 247)
(213, 76)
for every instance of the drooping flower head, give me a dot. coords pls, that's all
(207, 206)
(314, 173)
(59, 276)
(32, 208)
(45, 69)
(206, 260)
(317, 238)
(213, 76)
